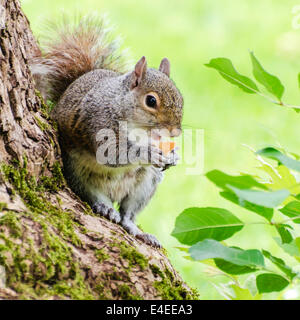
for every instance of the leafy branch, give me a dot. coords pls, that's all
(204, 230)
(271, 83)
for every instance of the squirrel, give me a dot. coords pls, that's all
(82, 72)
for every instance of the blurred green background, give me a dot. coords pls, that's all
(190, 33)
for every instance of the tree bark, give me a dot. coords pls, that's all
(51, 245)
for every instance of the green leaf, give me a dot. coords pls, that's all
(262, 211)
(274, 154)
(212, 249)
(243, 293)
(222, 179)
(281, 178)
(284, 233)
(228, 72)
(183, 249)
(299, 80)
(270, 282)
(292, 210)
(250, 284)
(196, 224)
(295, 155)
(231, 268)
(280, 264)
(292, 248)
(270, 82)
(270, 199)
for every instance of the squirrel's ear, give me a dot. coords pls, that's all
(165, 67)
(138, 73)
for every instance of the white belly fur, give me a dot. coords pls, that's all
(115, 183)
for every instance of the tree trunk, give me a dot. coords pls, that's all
(51, 245)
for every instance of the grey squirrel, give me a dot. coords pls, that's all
(81, 71)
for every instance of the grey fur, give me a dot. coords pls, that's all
(97, 100)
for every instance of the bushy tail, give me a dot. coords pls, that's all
(71, 49)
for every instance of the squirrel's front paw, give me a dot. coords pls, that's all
(159, 159)
(171, 159)
(107, 212)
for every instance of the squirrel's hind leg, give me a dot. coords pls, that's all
(80, 184)
(138, 198)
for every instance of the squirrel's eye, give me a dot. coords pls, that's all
(151, 101)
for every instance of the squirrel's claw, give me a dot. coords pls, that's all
(160, 160)
(149, 239)
(170, 160)
(132, 229)
(107, 212)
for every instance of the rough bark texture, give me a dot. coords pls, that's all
(51, 245)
